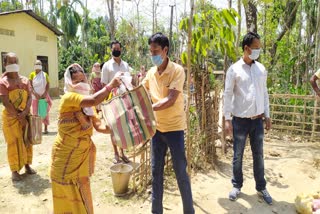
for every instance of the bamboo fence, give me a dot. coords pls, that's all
(141, 175)
(297, 114)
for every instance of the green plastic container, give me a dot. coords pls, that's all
(42, 108)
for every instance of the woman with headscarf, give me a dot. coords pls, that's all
(73, 154)
(16, 98)
(39, 81)
(95, 77)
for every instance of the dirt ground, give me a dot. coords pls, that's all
(291, 166)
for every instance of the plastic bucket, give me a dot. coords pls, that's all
(120, 174)
(42, 108)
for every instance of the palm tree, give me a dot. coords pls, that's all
(70, 19)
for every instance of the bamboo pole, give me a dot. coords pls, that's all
(314, 122)
(189, 150)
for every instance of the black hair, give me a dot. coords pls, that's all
(101, 65)
(248, 39)
(115, 42)
(74, 69)
(159, 39)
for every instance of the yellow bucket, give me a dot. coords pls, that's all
(120, 174)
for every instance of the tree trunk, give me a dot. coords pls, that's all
(189, 149)
(239, 28)
(110, 5)
(251, 16)
(317, 39)
(288, 24)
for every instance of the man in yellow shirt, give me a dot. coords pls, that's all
(165, 84)
(313, 82)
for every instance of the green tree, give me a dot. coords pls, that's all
(70, 20)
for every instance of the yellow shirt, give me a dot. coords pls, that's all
(173, 77)
(318, 73)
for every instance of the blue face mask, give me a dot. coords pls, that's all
(157, 60)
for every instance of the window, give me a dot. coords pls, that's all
(42, 38)
(3, 54)
(6, 32)
(45, 65)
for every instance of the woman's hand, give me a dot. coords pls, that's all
(115, 82)
(37, 96)
(44, 96)
(22, 117)
(99, 126)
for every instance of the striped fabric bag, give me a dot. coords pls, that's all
(130, 118)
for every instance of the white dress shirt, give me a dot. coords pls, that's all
(110, 68)
(246, 93)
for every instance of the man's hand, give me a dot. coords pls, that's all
(228, 128)
(268, 123)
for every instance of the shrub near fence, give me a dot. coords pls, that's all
(297, 114)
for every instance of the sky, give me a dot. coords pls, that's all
(127, 8)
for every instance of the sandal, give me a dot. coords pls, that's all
(30, 171)
(16, 177)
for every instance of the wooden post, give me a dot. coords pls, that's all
(189, 150)
(314, 120)
(304, 116)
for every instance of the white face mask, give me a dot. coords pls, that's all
(12, 68)
(82, 88)
(37, 67)
(255, 53)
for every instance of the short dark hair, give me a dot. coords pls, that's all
(115, 42)
(248, 39)
(160, 39)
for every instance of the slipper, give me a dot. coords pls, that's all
(16, 178)
(31, 171)
(125, 159)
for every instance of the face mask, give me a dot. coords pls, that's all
(254, 54)
(12, 68)
(82, 88)
(37, 67)
(157, 60)
(116, 53)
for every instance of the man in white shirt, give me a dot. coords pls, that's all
(246, 103)
(109, 69)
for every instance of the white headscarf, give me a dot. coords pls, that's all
(79, 88)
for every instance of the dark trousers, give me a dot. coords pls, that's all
(159, 146)
(242, 127)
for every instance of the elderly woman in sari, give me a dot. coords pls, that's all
(95, 77)
(39, 81)
(73, 154)
(16, 98)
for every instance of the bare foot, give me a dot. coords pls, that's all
(125, 159)
(29, 170)
(116, 159)
(16, 176)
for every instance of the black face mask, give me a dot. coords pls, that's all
(116, 53)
